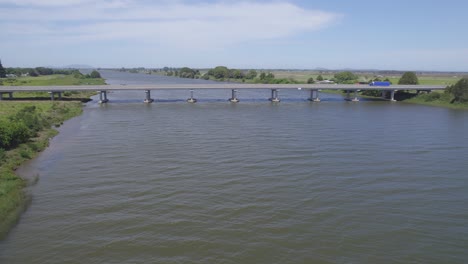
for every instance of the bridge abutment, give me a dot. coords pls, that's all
(10, 95)
(52, 95)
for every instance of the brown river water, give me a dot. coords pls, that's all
(253, 182)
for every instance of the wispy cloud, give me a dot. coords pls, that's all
(163, 22)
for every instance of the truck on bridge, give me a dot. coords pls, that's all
(377, 83)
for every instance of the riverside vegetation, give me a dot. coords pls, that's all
(456, 96)
(26, 124)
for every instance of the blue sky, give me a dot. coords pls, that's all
(386, 35)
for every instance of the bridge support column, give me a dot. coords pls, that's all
(355, 99)
(348, 97)
(314, 95)
(384, 93)
(148, 99)
(103, 97)
(191, 99)
(51, 96)
(10, 95)
(392, 96)
(233, 98)
(59, 95)
(274, 96)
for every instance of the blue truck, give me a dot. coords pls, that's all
(375, 83)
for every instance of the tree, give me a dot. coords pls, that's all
(33, 73)
(251, 74)
(262, 76)
(95, 74)
(205, 76)
(2, 71)
(346, 77)
(44, 71)
(459, 91)
(186, 72)
(236, 74)
(310, 80)
(319, 78)
(220, 72)
(408, 78)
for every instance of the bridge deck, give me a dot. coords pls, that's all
(216, 86)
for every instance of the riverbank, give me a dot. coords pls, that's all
(13, 199)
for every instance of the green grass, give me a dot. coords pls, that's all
(13, 200)
(56, 79)
(436, 98)
(303, 76)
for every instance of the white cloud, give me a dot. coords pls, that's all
(167, 23)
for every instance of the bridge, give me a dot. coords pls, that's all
(234, 87)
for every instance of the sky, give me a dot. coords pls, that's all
(284, 34)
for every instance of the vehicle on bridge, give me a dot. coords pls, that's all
(377, 83)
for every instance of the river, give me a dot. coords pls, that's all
(253, 182)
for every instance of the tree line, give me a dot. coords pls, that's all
(43, 71)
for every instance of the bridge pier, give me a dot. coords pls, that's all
(355, 99)
(314, 95)
(191, 99)
(103, 97)
(392, 96)
(10, 95)
(52, 95)
(274, 96)
(384, 94)
(348, 96)
(148, 99)
(233, 98)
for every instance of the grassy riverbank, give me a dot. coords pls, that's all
(12, 197)
(27, 123)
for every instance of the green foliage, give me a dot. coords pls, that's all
(13, 134)
(310, 80)
(219, 72)
(346, 77)
(44, 71)
(19, 128)
(459, 91)
(33, 73)
(262, 76)
(187, 72)
(2, 155)
(95, 74)
(2, 71)
(375, 93)
(251, 74)
(408, 78)
(236, 74)
(319, 78)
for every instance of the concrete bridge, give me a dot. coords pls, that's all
(234, 87)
